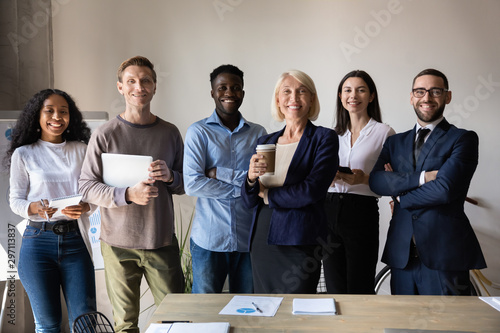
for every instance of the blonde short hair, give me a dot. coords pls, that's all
(304, 79)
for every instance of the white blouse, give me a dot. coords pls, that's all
(362, 155)
(44, 170)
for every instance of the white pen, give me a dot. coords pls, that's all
(256, 307)
(46, 215)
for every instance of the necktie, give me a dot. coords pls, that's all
(421, 134)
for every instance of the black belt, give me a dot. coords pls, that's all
(58, 228)
(349, 196)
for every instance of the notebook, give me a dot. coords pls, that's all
(124, 170)
(63, 202)
(314, 306)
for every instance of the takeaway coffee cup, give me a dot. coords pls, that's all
(269, 152)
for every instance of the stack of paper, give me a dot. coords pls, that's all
(189, 328)
(314, 306)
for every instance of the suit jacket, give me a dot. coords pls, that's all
(298, 216)
(434, 212)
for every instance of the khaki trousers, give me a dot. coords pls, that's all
(124, 269)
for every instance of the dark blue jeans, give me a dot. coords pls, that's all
(210, 270)
(48, 262)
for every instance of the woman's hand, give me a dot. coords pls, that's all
(44, 211)
(357, 177)
(74, 212)
(257, 167)
(336, 179)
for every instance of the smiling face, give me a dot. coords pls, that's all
(428, 108)
(54, 118)
(355, 95)
(137, 86)
(227, 92)
(294, 99)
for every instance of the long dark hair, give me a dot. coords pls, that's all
(343, 118)
(28, 131)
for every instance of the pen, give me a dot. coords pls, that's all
(46, 215)
(174, 321)
(256, 307)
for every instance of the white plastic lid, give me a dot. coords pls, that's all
(266, 147)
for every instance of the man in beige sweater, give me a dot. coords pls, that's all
(137, 223)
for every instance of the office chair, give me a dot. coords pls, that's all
(92, 322)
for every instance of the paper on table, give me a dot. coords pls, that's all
(63, 202)
(247, 306)
(222, 327)
(158, 328)
(492, 301)
(314, 306)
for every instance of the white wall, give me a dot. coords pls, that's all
(392, 40)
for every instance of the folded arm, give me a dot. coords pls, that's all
(199, 182)
(314, 185)
(446, 181)
(452, 179)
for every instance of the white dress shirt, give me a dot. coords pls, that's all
(431, 127)
(362, 155)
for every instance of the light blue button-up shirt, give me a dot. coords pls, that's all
(221, 221)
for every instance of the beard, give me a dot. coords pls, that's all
(429, 118)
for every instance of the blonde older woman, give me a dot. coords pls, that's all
(289, 218)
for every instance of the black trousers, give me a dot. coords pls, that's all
(282, 269)
(350, 260)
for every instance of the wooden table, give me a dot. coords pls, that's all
(357, 313)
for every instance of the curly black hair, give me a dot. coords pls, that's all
(28, 131)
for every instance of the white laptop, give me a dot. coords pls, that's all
(124, 170)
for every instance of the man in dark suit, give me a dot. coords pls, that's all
(430, 243)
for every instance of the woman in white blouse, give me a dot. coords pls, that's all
(351, 207)
(46, 154)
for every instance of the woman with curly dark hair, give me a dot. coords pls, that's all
(46, 154)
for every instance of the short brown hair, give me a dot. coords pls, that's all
(136, 61)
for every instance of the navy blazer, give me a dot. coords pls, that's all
(298, 216)
(434, 212)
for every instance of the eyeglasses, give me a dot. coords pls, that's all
(434, 92)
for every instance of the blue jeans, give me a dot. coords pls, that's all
(210, 270)
(48, 262)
